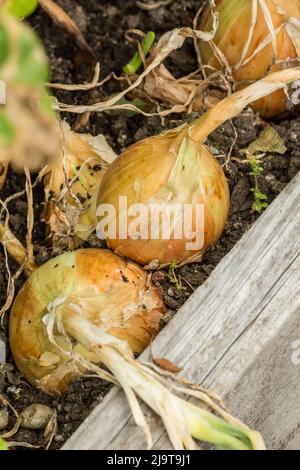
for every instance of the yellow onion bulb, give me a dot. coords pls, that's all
(166, 171)
(245, 41)
(82, 312)
(174, 169)
(109, 292)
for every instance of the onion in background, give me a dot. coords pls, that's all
(254, 37)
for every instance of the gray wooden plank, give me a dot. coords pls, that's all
(230, 335)
(267, 393)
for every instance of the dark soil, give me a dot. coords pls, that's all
(104, 25)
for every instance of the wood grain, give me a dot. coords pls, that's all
(234, 335)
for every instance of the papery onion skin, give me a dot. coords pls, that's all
(232, 34)
(149, 164)
(71, 186)
(111, 293)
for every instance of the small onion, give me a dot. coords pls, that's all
(244, 37)
(111, 293)
(176, 168)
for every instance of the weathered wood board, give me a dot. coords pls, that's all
(234, 335)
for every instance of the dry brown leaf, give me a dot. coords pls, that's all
(168, 43)
(63, 20)
(79, 87)
(268, 141)
(30, 218)
(15, 248)
(167, 365)
(51, 430)
(71, 187)
(188, 93)
(59, 222)
(16, 426)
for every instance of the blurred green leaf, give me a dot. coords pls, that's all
(4, 44)
(33, 68)
(3, 445)
(21, 8)
(7, 132)
(46, 102)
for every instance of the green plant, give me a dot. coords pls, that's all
(144, 49)
(172, 276)
(256, 170)
(20, 8)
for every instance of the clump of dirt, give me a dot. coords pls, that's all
(104, 25)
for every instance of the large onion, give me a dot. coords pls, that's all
(111, 293)
(86, 309)
(255, 37)
(166, 170)
(177, 168)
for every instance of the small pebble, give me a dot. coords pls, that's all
(36, 416)
(4, 417)
(111, 10)
(158, 276)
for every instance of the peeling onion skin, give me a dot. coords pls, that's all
(112, 293)
(234, 26)
(149, 163)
